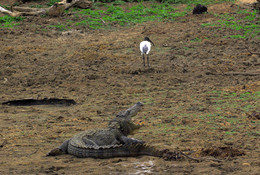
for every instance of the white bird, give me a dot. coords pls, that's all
(145, 47)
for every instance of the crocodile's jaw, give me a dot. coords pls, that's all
(132, 111)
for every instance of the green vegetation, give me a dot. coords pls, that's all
(115, 15)
(224, 100)
(59, 27)
(205, 2)
(109, 13)
(243, 23)
(196, 40)
(118, 2)
(5, 6)
(51, 2)
(9, 22)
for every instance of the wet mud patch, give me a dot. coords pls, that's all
(45, 101)
(141, 71)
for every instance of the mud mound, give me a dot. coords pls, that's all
(223, 152)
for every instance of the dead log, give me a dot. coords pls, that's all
(55, 10)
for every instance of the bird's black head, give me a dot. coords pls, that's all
(148, 39)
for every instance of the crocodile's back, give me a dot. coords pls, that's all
(100, 143)
(95, 138)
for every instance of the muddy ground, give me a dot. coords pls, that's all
(188, 93)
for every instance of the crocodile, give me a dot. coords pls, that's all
(112, 141)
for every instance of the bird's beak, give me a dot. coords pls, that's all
(151, 42)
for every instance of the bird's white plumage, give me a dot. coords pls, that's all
(144, 44)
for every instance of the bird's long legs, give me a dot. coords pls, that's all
(148, 64)
(143, 60)
(148, 61)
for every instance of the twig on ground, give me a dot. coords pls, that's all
(212, 158)
(201, 159)
(197, 160)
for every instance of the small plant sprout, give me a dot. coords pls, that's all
(145, 47)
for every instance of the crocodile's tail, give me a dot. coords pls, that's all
(127, 150)
(165, 153)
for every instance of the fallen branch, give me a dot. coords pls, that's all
(210, 158)
(7, 12)
(55, 10)
(189, 157)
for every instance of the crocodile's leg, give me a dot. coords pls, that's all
(63, 149)
(127, 140)
(90, 142)
(64, 146)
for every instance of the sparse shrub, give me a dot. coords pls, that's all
(246, 26)
(51, 2)
(9, 21)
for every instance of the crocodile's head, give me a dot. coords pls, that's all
(123, 120)
(132, 111)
